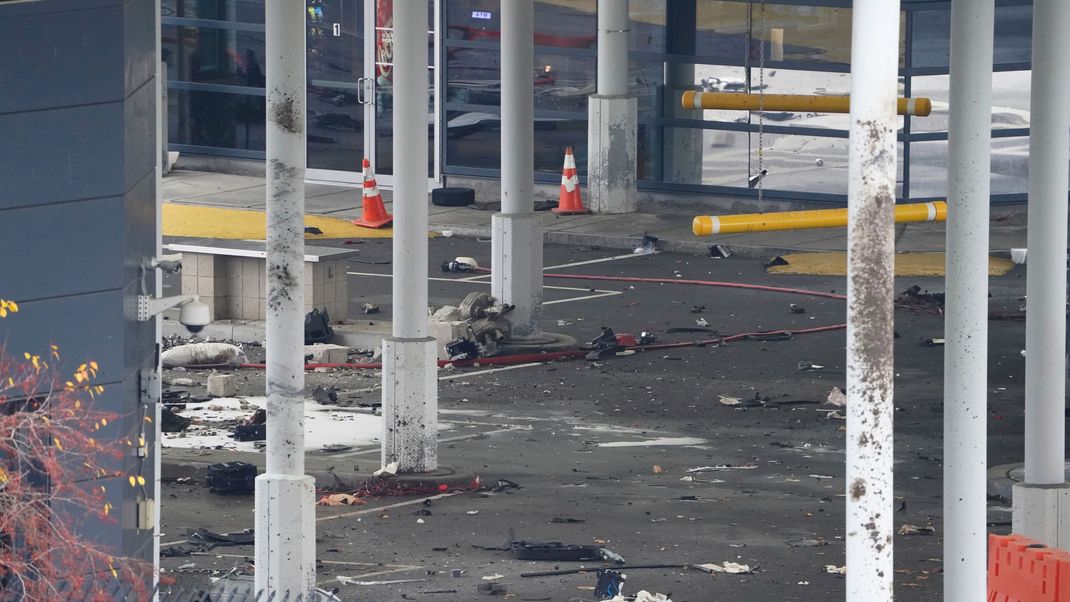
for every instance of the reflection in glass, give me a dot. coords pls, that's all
(216, 119)
(214, 56)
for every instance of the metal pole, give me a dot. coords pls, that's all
(285, 527)
(871, 245)
(410, 389)
(516, 260)
(612, 47)
(410, 149)
(966, 329)
(518, 109)
(1045, 327)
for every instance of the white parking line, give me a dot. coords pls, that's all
(602, 260)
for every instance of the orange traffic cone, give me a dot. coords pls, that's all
(570, 203)
(373, 212)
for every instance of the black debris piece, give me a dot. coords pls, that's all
(312, 230)
(232, 478)
(719, 251)
(325, 395)
(250, 432)
(462, 349)
(170, 422)
(317, 327)
(503, 484)
(778, 260)
(608, 584)
(796, 309)
(567, 520)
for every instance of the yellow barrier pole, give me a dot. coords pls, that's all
(733, 101)
(708, 225)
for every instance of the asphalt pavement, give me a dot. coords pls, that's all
(606, 446)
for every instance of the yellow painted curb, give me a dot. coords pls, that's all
(247, 224)
(906, 264)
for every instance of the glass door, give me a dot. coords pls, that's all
(350, 90)
(337, 120)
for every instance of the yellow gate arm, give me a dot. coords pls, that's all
(707, 225)
(733, 101)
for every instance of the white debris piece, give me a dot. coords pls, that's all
(390, 469)
(837, 397)
(203, 354)
(835, 570)
(326, 353)
(222, 385)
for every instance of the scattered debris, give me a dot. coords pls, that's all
(814, 542)
(646, 245)
(1018, 255)
(312, 230)
(170, 422)
(837, 398)
(493, 577)
(658, 469)
(835, 570)
(916, 530)
(566, 520)
(645, 596)
(325, 395)
(369, 308)
(318, 327)
(503, 484)
(931, 342)
(729, 401)
(805, 365)
(725, 567)
(796, 309)
(698, 309)
(778, 260)
(609, 584)
(701, 322)
(457, 572)
(202, 355)
(389, 470)
(231, 477)
(719, 251)
(917, 300)
(351, 581)
(472, 512)
(491, 589)
(720, 467)
(336, 448)
(340, 499)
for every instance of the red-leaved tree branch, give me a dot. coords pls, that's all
(53, 475)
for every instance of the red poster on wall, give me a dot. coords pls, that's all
(384, 42)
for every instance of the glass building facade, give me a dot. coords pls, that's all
(215, 53)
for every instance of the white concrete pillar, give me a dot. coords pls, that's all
(612, 118)
(285, 511)
(410, 389)
(516, 245)
(966, 324)
(1039, 503)
(870, 250)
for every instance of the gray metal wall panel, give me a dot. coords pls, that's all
(73, 57)
(62, 249)
(61, 154)
(78, 209)
(88, 326)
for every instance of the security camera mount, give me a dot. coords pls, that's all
(148, 306)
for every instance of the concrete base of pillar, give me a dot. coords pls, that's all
(1042, 512)
(410, 404)
(516, 268)
(611, 153)
(285, 522)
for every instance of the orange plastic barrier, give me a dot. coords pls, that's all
(1021, 570)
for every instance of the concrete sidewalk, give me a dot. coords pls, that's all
(671, 226)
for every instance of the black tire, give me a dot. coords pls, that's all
(453, 197)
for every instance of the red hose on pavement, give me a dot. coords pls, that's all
(717, 283)
(525, 358)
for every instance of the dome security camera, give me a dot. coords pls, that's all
(194, 315)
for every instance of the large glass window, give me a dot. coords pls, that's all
(213, 55)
